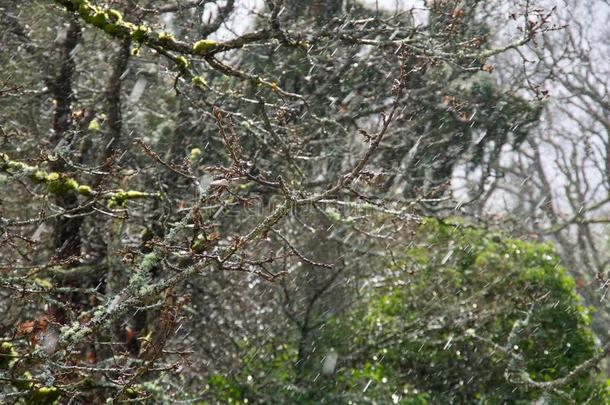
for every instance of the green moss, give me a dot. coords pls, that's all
(17, 166)
(120, 197)
(195, 154)
(56, 187)
(85, 9)
(84, 190)
(204, 45)
(8, 354)
(45, 395)
(25, 383)
(44, 283)
(182, 62)
(59, 184)
(39, 176)
(198, 81)
(97, 17)
(132, 393)
(112, 29)
(166, 37)
(117, 200)
(53, 176)
(94, 125)
(140, 33)
(115, 16)
(111, 21)
(133, 194)
(71, 184)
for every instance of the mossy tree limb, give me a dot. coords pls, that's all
(60, 184)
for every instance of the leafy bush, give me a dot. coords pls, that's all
(464, 316)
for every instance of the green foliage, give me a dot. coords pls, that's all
(439, 329)
(455, 299)
(225, 390)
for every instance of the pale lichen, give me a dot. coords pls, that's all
(149, 261)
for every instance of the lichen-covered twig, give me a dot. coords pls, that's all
(61, 184)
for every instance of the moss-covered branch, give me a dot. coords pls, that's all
(61, 184)
(112, 22)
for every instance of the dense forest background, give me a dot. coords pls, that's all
(304, 201)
